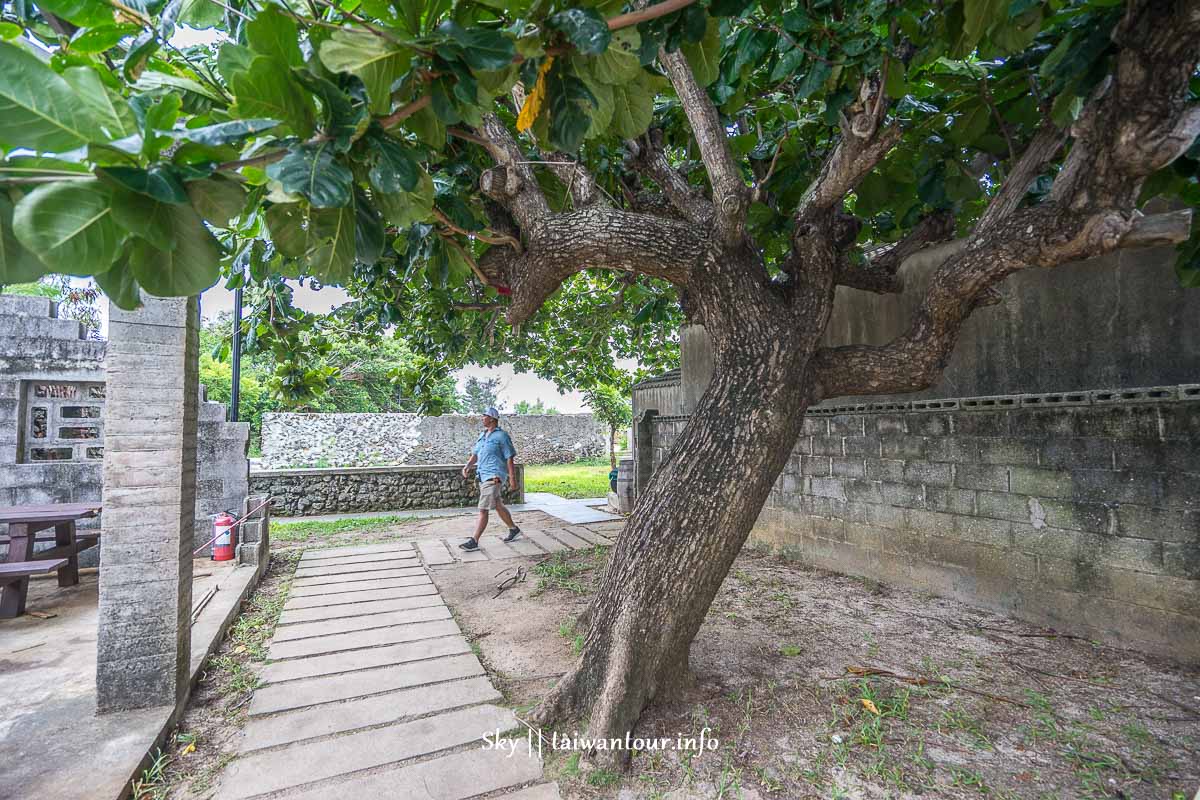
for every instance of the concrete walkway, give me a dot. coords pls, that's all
(573, 512)
(373, 692)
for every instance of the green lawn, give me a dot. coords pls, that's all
(587, 478)
(307, 531)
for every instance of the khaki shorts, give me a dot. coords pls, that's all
(489, 493)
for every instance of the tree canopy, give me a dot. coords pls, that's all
(356, 144)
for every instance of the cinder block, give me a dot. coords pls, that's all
(1090, 517)
(929, 424)
(1002, 505)
(861, 491)
(831, 529)
(1171, 455)
(928, 473)
(1086, 453)
(876, 515)
(1106, 486)
(1180, 421)
(886, 424)
(23, 305)
(1168, 525)
(1008, 451)
(885, 469)
(865, 446)
(949, 500)
(827, 446)
(833, 488)
(931, 522)
(1041, 482)
(981, 476)
(982, 423)
(26, 327)
(847, 425)
(846, 467)
(816, 465)
(1123, 422)
(815, 425)
(1182, 560)
(902, 494)
(1179, 490)
(905, 447)
(1036, 423)
(953, 450)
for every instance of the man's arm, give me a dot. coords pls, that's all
(470, 463)
(512, 471)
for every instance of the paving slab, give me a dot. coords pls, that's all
(319, 580)
(293, 615)
(386, 547)
(591, 536)
(319, 645)
(448, 643)
(432, 609)
(542, 791)
(354, 587)
(496, 549)
(568, 538)
(362, 683)
(433, 551)
(408, 560)
(363, 558)
(364, 712)
(526, 546)
(464, 555)
(456, 776)
(314, 761)
(547, 543)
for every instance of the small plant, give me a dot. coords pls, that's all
(790, 650)
(602, 777)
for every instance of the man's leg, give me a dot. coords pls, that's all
(505, 517)
(481, 524)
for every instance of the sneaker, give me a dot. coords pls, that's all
(513, 533)
(469, 544)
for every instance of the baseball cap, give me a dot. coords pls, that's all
(491, 411)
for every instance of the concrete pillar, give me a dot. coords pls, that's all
(695, 364)
(149, 500)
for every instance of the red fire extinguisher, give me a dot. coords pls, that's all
(226, 537)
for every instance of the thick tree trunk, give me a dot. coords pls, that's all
(695, 515)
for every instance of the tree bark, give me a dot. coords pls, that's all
(699, 507)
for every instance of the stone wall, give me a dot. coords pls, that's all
(47, 363)
(369, 440)
(311, 492)
(1080, 512)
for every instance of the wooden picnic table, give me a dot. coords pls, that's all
(24, 522)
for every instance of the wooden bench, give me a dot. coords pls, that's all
(24, 526)
(18, 572)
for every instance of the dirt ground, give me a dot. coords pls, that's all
(818, 685)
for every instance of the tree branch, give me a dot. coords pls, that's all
(881, 274)
(593, 238)
(647, 157)
(1041, 150)
(731, 197)
(512, 182)
(1140, 119)
(1046, 236)
(863, 144)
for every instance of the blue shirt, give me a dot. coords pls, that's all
(494, 449)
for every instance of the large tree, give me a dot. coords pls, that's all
(458, 166)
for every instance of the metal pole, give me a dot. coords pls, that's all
(235, 392)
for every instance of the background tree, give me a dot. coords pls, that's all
(536, 407)
(457, 167)
(478, 394)
(611, 405)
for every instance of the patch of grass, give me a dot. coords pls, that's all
(559, 572)
(603, 778)
(577, 480)
(790, 650)
(312, 531)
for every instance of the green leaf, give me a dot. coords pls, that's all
(120, 286)
(394, 168)
(159, 181)
(704, 56)
(971, 124)
(227, 132)
(233, 59)
(894, 82)
(814, 79)
(70, 226)
(483, 49)
(145, 217)
(376, 62)
(978, 16)
(112, 114)
(190, 268)
(266, 89)
(428, 128)
(152, 80)
(584, 27)
(601, 115)
(404, 208)
(872, 195)
(201, 14)
(97, 40)
(38, 109)
(17, 265)
(332, 260)
(369, 234)
(620, 62)
(84, 13)
(633, 107)
(143, 47)
(310, 169)
(274, 34)
(217, 199)
(285, 222)
(570, 111)
(9, 30)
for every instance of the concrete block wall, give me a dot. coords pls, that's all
(1083, 516)
(222, 466)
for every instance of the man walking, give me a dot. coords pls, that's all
(495, 455)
